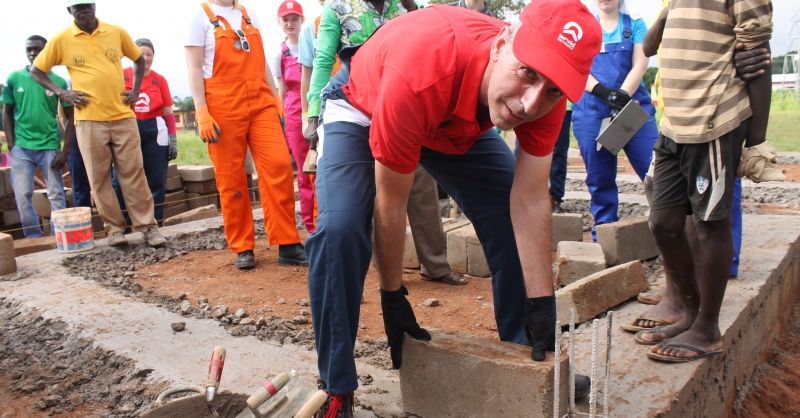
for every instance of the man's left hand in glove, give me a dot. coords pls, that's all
(398, 319)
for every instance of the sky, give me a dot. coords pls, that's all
(165, 23)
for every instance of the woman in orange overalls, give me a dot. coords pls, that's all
(237, 109)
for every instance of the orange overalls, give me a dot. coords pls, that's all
(244, 106)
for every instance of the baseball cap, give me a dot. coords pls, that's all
(559, 38)
(71, 3)
(289, 7)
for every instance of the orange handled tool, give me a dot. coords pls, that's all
(214, 372)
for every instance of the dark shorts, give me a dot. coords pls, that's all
(698, 177)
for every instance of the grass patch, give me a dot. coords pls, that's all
(784, 115)
(191, 149)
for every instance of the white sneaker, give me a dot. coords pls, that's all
(154, 237)
(117, 239)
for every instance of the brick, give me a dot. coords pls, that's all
(196, 200)
(567, 227)
(41, 204)
(196, 172)
(457, 247)
(410, 259)
(202, 187)
(476, 259)
(600, 291)
(6, 187)
(450, 224)
(8, 262)
(34, 245)
(456, 375)
(204, 212)
(172, 171)
(627, 240)
(174, 183)
(175, 198)
(175, 209)
(10, 217)
(577, 260)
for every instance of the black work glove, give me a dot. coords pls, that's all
(616, 99)
(398, 318)
(310, 133)
(540, 325)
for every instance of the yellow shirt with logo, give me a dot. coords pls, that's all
(94, 65)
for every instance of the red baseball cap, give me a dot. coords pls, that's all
(290, 7)
(559, 38)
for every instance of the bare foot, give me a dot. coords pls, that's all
(669, 310)
(663, 333)
(690, 345)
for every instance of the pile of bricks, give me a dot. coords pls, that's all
(199, 187)
(9, 216)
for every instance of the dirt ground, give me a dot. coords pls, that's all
(212, 274)
(776, 392)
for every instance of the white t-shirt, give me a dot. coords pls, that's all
(275, 64)
(201, 31)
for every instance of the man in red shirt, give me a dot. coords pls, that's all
(425, 89)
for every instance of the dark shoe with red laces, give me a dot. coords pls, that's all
(337, 406)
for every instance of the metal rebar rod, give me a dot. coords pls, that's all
(607, 384)
(571, 379)
(557, 372)
(593, 389)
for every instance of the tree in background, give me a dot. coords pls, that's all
(186, 111)
(777, 63)
(649, 77)
(500, 9)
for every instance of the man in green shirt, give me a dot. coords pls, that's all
(31, 127)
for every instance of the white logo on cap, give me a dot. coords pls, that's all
(571, 30)
(290, 5)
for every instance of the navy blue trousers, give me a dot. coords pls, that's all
(81, 191)
(558, 167)
(340, 250)
(155, 159)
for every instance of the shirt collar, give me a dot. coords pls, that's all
(101, 27)
(468, 93)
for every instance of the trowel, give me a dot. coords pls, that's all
(262, 394)
(214, 376)
(312, 405)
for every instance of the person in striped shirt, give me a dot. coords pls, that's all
(709, 114)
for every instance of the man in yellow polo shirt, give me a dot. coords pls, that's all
(105, 124)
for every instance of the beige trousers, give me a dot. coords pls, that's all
(102, 143)
(425, 220)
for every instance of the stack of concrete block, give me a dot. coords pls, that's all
(9, 216)
(8, 261)
(410, 259)
(577, 260)
(174, 181)
(200, 185)
(464, 252)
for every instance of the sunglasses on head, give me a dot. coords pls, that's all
(243, 43)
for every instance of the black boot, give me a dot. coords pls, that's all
(245, 260)
(292, 255)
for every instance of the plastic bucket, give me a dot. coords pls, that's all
(73, 229)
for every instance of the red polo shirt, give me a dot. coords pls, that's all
(418, 79)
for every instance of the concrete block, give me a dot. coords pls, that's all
(175, 198)
(450, 224)
(6, 187)
(10, 217)
(410, 259)
(577, 260)
(174, 183)
(204, 212)
(567, 227)
(627, 240)
(196, 200)
(196, 172)
(172, 171)
(41, 204)
(202, 187)
(600, 291)
(456, 375)
(476, 259)
(8, 262)
(175, 209)
(7, 203)
(457, 247)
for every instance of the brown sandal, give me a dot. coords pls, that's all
(449, 278)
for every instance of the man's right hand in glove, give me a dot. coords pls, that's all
(540, 324)
(310, 133)
(616, 99)
(208, 127)
(398, 319)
